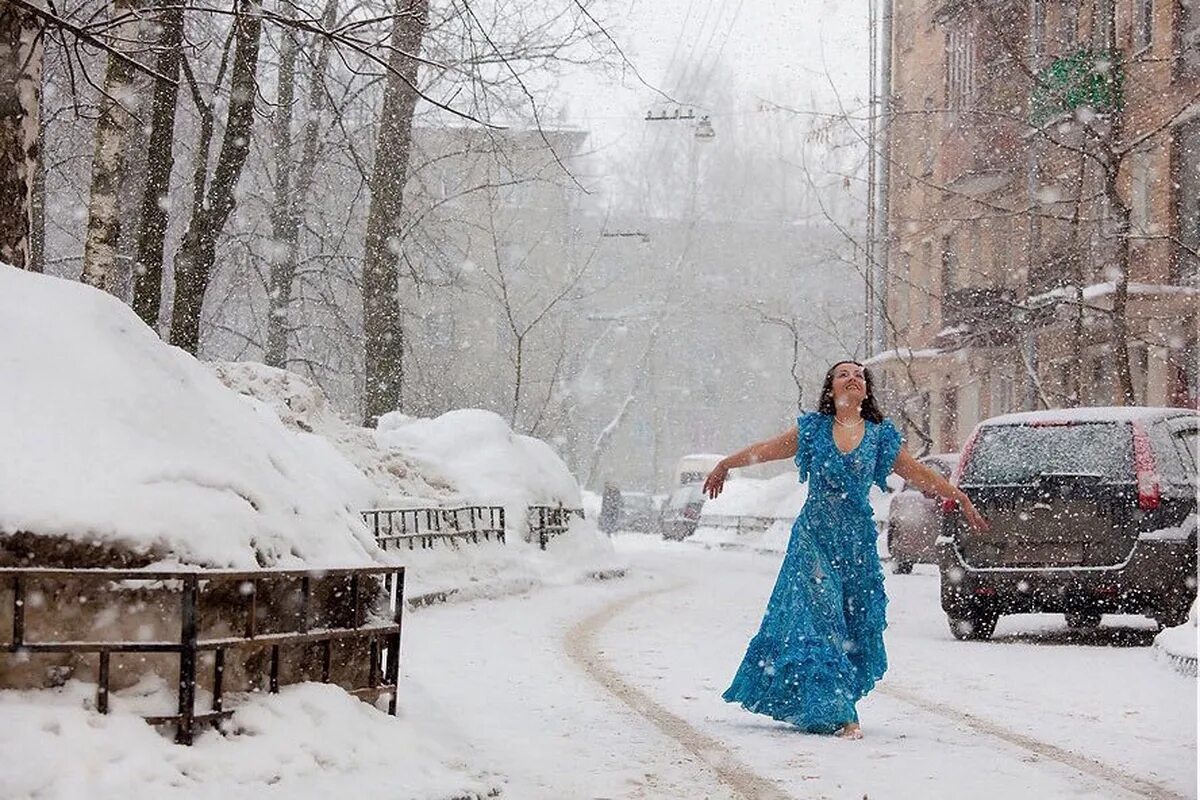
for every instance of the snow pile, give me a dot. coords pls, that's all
(464, 457)
(774, 497)
(479, 454)
(1178, 644)
(111, 436)
(303, 407)
(779, 498)
(727, 519)
(309, 741)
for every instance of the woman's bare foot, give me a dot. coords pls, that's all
(850, 730)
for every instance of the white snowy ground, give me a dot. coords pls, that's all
(612, 690)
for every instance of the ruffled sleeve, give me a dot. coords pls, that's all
(886, 450)
(806, 425)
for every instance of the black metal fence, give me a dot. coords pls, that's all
(394, 527)
(546, 522)
(425, 527)
(364, 593)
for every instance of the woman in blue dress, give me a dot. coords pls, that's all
(820, 648)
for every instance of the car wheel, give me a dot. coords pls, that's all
(1083, 620)
(975, 624)
(901, 567)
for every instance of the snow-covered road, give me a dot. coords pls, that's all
(612, 690)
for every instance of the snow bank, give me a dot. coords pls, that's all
(112, 436)
(1178, 644)
(486, 463)
(464, 457)
(309, 741)
(478, 454)
(778, 496)
(302, 406)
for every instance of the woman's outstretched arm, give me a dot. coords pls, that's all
(923, 477)
(782, 446)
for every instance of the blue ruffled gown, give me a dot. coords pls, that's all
(820, 647)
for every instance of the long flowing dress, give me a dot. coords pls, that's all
(820, 646)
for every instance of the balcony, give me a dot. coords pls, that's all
(978, 306)
(1088, 78)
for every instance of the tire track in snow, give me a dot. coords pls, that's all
(580, 646)
(1143, 787)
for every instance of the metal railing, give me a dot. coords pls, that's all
(426, 526)
(546, 522)
(382, 637)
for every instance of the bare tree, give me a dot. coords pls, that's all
(20, 120)
(383, 334)
(109, 167)
(291, 196)
(213, 202)
(160, 161)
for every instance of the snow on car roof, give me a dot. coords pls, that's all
(1089, 414)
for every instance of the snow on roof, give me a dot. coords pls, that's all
(1097, 290)
(1087, 414)
(901, 354)
(111, 435)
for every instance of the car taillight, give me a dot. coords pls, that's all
(949, 505)
(1145, 473)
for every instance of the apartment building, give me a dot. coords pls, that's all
(1044, 172)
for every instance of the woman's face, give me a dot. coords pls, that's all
(849, 385)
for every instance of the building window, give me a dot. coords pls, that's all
(1068, 25)
(1037, 10)
(949, 264)
(960, 66)
(949, 427)
(901, 292)
(1002, 390)
(1102, 23)
(1188, 26)
(1185, 266)
(927, 291)
(1140, 178)
(1143, 23)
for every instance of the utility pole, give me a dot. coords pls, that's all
(884, 176)
(872, 155)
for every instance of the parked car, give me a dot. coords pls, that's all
(915, 521)
(1091, 511)
(681, 512)
(638, 512)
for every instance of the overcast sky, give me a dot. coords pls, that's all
(792, 52)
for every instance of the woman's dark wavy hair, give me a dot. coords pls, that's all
(869, 408)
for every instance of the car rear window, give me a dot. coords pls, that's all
(1008, 454)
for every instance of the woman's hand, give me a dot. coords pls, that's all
(715, 481)
(974, 518)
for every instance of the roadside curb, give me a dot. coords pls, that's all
(503, 589)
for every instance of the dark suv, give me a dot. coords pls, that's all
(1092, 511)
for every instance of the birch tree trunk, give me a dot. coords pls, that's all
(20, 123)
(382, 327)
(193, 264)
(108, 161)
(160, 161)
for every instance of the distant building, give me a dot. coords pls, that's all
(998, 209)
